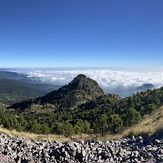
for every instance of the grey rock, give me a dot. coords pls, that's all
(124, 150)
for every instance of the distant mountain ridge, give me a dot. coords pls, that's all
(145, 86)
(16, 87)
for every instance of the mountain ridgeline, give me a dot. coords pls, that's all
(81, 107)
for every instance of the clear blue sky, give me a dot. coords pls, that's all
(81, 33)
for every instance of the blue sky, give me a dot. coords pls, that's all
(81, 33)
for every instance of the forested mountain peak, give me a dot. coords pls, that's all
(78, 91)
(82, 83)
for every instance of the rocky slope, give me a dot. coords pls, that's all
(124, 150)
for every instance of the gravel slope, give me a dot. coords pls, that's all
(123, 150)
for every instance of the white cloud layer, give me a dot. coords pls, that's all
(107, 78)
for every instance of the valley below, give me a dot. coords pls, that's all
(16, 87)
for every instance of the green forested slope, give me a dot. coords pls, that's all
(81, 107)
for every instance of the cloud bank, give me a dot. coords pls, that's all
(109, 80)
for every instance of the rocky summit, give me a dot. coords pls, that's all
(135, 149)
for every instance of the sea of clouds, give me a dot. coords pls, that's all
(118, 81)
